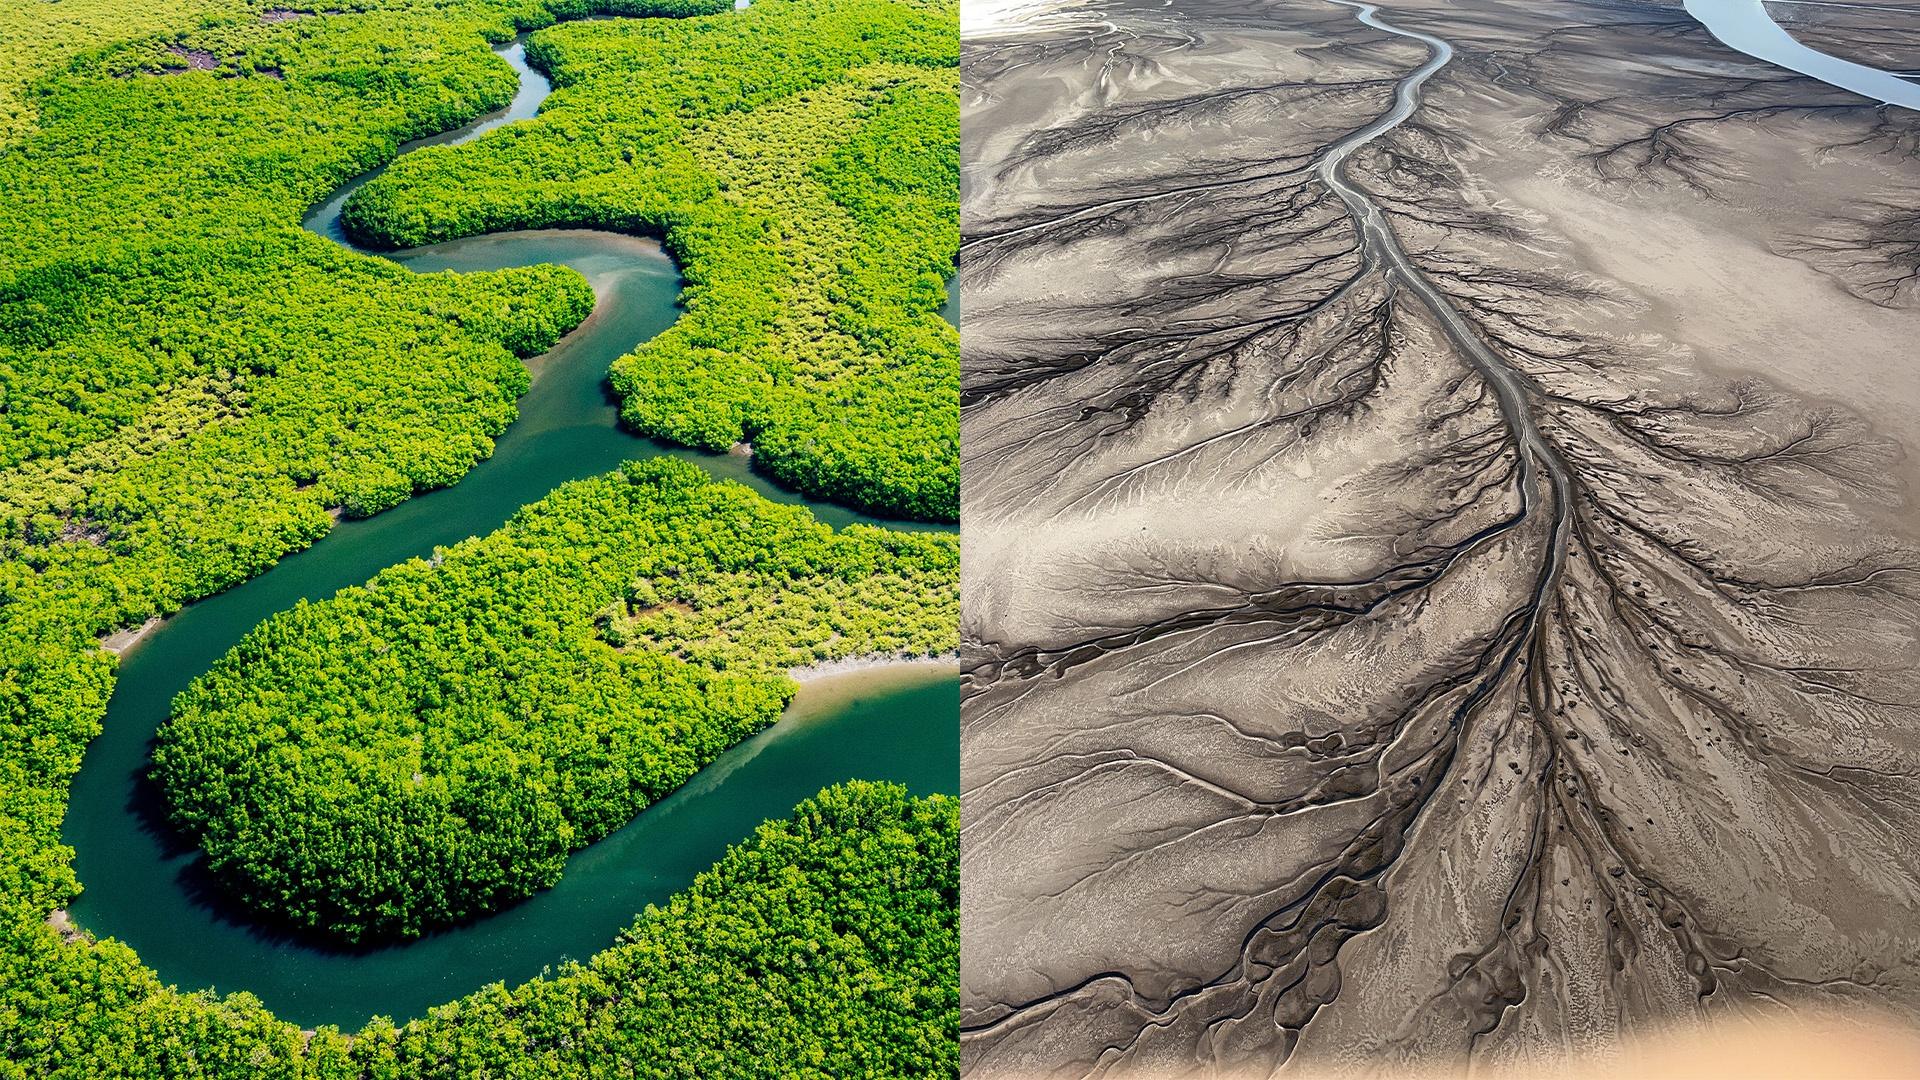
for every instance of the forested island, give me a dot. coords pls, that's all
(430, 746)
(193, 387)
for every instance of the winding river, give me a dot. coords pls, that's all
(1745, 25)
(144, 887)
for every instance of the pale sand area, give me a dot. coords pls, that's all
(980, 17)
(1711, 281)
(1862, 1047)
(120, 641)
(853, 665)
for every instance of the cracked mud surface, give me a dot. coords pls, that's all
(1441, 575)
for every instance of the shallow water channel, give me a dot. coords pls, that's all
(145, 887)
(1745, 25)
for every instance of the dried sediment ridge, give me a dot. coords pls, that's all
(1440, 578)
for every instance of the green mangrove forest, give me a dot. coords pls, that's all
(824, 946)
(193, 387)
(434, 744)
(812, 206)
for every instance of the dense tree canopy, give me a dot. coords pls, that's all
(802, 161)
(39, 36)
(434, 744)
(824, 946)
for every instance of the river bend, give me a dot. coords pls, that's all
(1745, 26)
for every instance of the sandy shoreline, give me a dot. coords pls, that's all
(63, 925)
(120, 641)
(848, 665)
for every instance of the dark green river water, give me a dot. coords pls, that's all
(145, 887)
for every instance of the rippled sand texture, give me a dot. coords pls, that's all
(1471, 640)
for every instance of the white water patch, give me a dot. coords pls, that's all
(1744, 25)
(984, 18)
